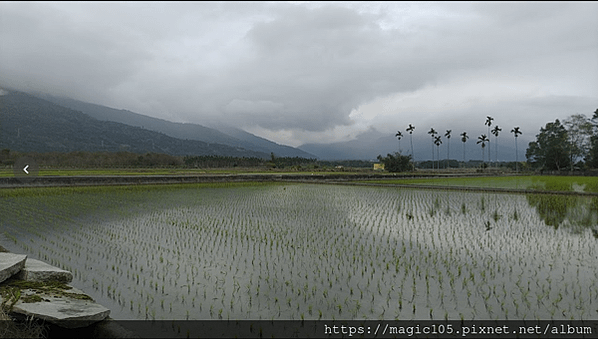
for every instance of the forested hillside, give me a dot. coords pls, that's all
(30, 124)
(219, 134)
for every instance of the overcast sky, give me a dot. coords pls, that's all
(313, 72)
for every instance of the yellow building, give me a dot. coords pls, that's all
(378, 167)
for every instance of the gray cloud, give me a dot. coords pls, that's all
(304, 68)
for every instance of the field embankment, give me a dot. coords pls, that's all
(546, 184)
(95, 180)
(474, 182)
(51, 181)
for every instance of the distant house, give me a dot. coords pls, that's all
(378, 167)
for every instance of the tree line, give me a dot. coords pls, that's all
(571, 145)
(81, 159)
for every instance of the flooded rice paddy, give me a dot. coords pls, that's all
(298, 251)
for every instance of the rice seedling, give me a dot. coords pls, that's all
(314, 252)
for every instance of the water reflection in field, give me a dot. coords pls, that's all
(318, 251)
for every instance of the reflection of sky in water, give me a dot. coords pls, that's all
(575, 212)
(517, 252)
(284, 252)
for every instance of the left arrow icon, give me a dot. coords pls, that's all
(25, 169)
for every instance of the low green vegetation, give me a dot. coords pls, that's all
(54, 288)
(128, 163)
(10, 295)
(109, 172)
(13, 291)
(529, 182)
(149, 171)
(10, 328)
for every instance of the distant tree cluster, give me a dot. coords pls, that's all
(571, 145)
(550, 150)
(95, 159)
(283, 162)
(149, 160)
(215, 161)
(396, 162)
(346, 163)
(437, 141)
(443, 164)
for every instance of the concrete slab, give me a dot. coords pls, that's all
(36, 270)
(11, 264)
(62, 310)
(64, 313)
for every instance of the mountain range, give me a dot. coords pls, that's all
(44, 123)
(38, 122)
(31, 124)
(227, 135)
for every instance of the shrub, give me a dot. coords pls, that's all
(396, 162)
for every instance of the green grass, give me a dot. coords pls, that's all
(127, 171)
(542, 183)
(68, 191)
(167, 171)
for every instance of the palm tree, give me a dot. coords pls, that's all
(495, 131)
(433, 133)
(488, 123)
(399, 135)
(437, 142)
(448, 145)
(516, 132)
(483, 139)
(410, 130)
(464, 138)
